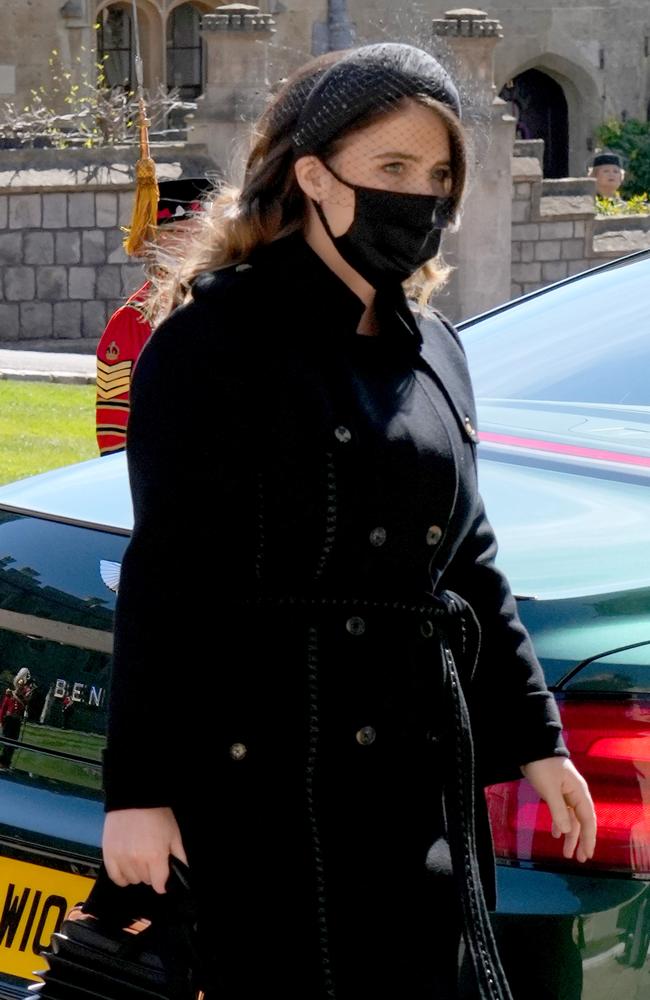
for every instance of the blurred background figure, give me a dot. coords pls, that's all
(129, 327)
(607, 170)
(67, 711)
(12, 711)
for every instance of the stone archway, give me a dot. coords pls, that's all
(540, 108)
(579, 84)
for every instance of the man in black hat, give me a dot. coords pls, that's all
(128, 329)
(607, 170)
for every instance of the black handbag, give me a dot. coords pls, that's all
(99, 957)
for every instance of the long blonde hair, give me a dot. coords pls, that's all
(270, 203)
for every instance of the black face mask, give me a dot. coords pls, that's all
(392, 234)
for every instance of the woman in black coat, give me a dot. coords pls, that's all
(310, 548)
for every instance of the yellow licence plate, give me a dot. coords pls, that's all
(33, 903)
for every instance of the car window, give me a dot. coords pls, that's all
(624, 671)
(585, 342)
(56, 620)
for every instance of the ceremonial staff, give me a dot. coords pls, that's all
(143, 218)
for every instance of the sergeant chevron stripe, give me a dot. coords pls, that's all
(113, 380)
(109, 370)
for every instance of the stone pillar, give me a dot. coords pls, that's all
(78, 40)
(336, 32)
(480, 251)
(237, 39)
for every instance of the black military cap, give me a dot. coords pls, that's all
(607, 159)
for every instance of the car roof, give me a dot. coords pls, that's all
(609, 265)
(94, 493)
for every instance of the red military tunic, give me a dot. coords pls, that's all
(125, 335)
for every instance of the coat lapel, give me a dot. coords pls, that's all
(443, 353)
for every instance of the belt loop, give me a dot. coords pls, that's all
(468, 631)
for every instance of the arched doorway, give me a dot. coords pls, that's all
(540, 107)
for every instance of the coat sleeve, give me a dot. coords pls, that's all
(515, 719)
(189, 470)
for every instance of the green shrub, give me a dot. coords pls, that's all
(631, 139)
(637, 205)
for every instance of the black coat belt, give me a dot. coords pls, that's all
(459, 628)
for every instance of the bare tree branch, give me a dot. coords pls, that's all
(98, 115)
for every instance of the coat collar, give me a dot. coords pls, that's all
(316, 312)
(332, 312)
(331, 309)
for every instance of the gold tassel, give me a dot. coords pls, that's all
(145, 206)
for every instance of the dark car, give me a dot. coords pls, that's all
(563, 383)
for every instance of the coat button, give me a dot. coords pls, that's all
(365, 736)
(355, 626)
(426, 628)
(434, 534)
(377, 537)
(238, 751)
(343, 435)
(470, 429)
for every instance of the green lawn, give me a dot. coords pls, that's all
(71, 741)
(85, 744)
(44, 425)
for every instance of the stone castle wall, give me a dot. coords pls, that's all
(62, 266)
(555, 230)
(598, 52)
(63, 270)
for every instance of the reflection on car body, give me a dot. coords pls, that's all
(564, 418)
(562, 384)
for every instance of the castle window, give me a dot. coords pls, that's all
(115, 41)
(185, 51)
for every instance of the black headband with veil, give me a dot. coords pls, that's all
(367, 79)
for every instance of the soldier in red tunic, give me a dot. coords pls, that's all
(128, 329)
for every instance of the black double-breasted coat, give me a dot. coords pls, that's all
(305, 504)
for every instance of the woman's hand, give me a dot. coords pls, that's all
(566, 793)
(137, 843)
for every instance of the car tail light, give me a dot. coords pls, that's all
(610, 745)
